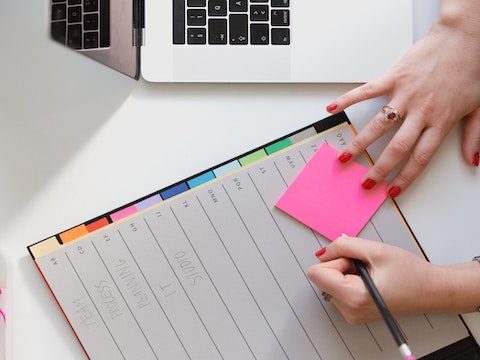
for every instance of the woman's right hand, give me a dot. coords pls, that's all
(408, 284)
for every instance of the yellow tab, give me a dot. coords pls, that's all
(44, 247)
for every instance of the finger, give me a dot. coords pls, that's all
(343, 265)
(397, 149)
(471, 138)
(375, 129)
(325, 278)
(425, 148)
(351, 248)
(347, 292)
(334, 278)
(370, 90)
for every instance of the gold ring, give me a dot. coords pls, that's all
(390, 114)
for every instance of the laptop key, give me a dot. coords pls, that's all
(90, 5)
(58, 31)
(217, 31)
(90, 40)
(217, 8)
(59, 11)
(259, 34)
(259, 13)
(280, 3)
(281, 36)
(179, 21)
(197, 36)
(90, 22)
(104, 23)
(197, 3)
(237, 5)
(74, 14)
(238, 29)
(280, 18)
(74, 36)
(196, 17)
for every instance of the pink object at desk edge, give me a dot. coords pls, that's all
(327, 195)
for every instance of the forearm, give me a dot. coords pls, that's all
(456, 289)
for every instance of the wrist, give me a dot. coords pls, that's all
(455, 291)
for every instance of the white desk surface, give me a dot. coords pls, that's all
(79, 140)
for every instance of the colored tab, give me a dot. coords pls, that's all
(302, 135)
(44, 247)
(225, 169)
(97, 224)
(175, 190)
(73, 233)
(250, 158)
(119, 215)
(279, 145)
(152, 200)
(201, 179)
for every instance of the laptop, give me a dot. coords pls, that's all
(238, 40)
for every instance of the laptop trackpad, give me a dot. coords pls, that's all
(231, 63)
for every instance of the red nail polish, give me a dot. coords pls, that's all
(394, 191)
(344, 157)
(369, 183)
(332, 107)
(476, 159)
(321, 251)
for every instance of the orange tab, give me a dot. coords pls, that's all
(73, 233)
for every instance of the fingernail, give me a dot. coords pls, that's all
(394, 191)
(344, 157)
(369, 183)
(476, 159)
(332, 107)
(321, 252)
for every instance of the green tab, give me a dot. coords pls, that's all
(279, 145)
(250, 158)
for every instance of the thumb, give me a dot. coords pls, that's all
(471, 138)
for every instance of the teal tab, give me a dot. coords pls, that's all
(279, 145)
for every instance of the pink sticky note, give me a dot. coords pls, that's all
(327, 196)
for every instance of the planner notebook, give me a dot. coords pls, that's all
(209, 268)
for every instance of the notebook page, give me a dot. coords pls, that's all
(218, 272)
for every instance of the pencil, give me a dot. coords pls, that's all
(384, 311)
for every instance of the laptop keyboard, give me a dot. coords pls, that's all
(233, 22)
(81, 24)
